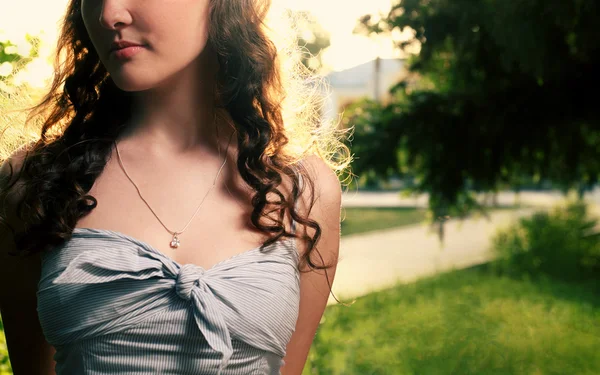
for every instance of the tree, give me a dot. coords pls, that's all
(507, 90)
(12, 60)
(312, 37)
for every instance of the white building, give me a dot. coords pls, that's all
(371, 80)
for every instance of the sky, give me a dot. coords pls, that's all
(338, 17)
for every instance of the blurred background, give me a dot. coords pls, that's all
(470, 240)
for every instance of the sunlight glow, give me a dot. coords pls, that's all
(338, 17)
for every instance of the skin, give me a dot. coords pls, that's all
(171, 78)
(171, 151)
(174, 31)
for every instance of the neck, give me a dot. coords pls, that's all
(178, 116)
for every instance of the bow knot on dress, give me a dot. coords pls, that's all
(102, 286)
(190, 276)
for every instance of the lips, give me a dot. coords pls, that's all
(123, 44)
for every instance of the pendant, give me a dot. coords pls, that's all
(175, 242)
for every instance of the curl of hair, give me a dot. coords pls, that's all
(262, 86)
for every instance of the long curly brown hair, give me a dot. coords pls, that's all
(83, 113)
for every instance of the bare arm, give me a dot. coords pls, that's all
(28, 350)
(314, 288)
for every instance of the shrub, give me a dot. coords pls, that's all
(4, 361)
(563, 244)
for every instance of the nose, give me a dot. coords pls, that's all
(114, 14)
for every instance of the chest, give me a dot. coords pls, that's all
(215, 220)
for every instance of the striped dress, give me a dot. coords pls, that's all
(112, 304)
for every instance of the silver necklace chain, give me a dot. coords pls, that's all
(175, 241)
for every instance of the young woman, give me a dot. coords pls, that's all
(173, 217)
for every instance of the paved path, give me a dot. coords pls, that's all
(393, 199)
(380, 259)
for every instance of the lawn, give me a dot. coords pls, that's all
(463, 322)
(361, 220)
(366, 219)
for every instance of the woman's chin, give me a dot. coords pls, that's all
(130, 84)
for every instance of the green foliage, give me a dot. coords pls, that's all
(468, 322)
(5, 368)
(373, 138)
(563, 244)
(6, 56)
(500, 92)
(10, 54)
(312, 37)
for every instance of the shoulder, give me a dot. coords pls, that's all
(324, 206)
(315, 285)
(9, 173)
(10, 166)
(9, 162)
(10, 169)
(10, 197)
(327, 184)
(12, 267)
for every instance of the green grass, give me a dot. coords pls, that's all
(4, 363)
(357, 220)
(362, 220)
(463, 322)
